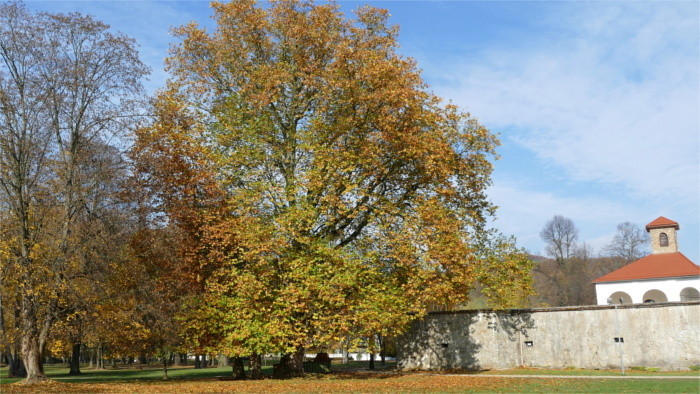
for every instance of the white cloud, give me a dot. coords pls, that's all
(523, 212)
(614, 99)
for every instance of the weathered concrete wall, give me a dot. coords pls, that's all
(655, 335)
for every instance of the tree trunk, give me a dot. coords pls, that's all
(15, 366)
(222, 361)
(291, 365)
(75, 360)
(371, 360)
(183, 358)
(100, 362)
(33, 340)
(345, 351)
(165, 365)
(256, 366)
(382, 353)
(31, 355)
(197, 362)
(237, 368)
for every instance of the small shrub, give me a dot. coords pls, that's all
(646, 369)
(695, 368)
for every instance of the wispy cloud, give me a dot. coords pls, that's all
(523, 212)
(613, 97)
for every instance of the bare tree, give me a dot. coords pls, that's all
(560, 234)
(66, 86)
(630, 243)
(567, 282)
(580, 274)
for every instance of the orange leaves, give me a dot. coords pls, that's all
(340, 382)
(321, 188)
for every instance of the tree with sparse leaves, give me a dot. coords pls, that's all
(67, 88)
(630, 243)
(560, 235)
(563, 280)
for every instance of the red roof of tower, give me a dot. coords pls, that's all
(662, 222)
(663, 265)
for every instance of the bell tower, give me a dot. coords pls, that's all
(662, 232)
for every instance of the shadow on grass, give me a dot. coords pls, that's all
(362, 375)
(138, 375)
(152, 373)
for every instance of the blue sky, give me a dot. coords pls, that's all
(597, 103)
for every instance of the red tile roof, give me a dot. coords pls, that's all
(662, 265)
(662, 222)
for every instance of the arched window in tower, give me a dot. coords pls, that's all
(663, 239)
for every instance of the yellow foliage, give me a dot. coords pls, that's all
(317, 186)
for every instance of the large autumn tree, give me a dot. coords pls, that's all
(351, 196)
(67, 92)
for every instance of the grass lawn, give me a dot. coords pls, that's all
(352, 377)
(603, 385)
(587, 372)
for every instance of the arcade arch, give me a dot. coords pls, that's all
(655, 296)
(620, 297)
(690, 294)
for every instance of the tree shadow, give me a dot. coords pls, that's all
(439, 342)
(142, 375)
(361, 375)
(516, 323)
(452, 341)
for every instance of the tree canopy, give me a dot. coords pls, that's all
(340, 194)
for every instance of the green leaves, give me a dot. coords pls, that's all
(347, 193)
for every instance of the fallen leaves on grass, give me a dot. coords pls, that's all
(357, 383)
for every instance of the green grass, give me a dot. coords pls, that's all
(603, 385)
(152, 372)
(183, 379)
(588, 372)
(155, 372)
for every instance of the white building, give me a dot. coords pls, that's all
(666, 275)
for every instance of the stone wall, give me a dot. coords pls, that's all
(666, 336)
